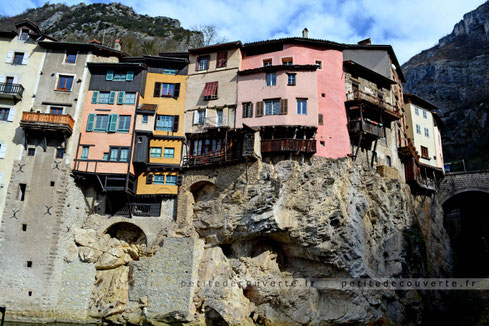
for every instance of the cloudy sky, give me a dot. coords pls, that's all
(410, 26)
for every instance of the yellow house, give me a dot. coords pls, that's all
(21, 59)
(159, 135)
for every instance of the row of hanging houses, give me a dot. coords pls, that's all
(130, 126)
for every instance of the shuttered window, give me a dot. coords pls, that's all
(159, 179)
(4, 114)
(101, 123)
(124, 123)
(272, 107)
(210, 91)
(103, 98)
(65, 83)
(247, 110)
(164, 122)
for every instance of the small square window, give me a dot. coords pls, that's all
(29, 263)
(4, 112)
(319, 64)
(267, 62)
(65, 83)
(145, 118)
(24, 227)
(290, 79)
(70, 57)
(60, 153)
(52, 183)
(287, 61)
(18, 58)
(322, 143)
(31, 151)
(29, 293)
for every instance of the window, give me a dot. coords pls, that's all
(271, 79)
(267, 62)
(222, 58)
(124, 123)
(18, 58)
(290, 79)
(388, 160)
(272, 107)
(4, 114)
(418, 129)
(29, 263)
(64, 83)
(424, 114)
(287, 61)
(426, 132)
(166, 90)
(155, 152)
(22, 189)
(302, 106)
(424, 152)
(84, 153)
(203, 63)
(247, 110)
(169, 71)
(130, 98)
(164, 122)
(101, 122)
(56, 110)
(320, 119)
(70, 57)
(319, 64)
(171, 179)
(220, 117)
(31, 151)
(169, 152)
(104, 98)
(210, 91)
(199, 117)
(119, 76)
(106, 157)
(60, 153)
(24, 227)
(158, 179)
(24, 34)
(416, 111)
(118, 154)
(145, 118)
(52, 183)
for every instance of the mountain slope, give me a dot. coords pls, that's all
(140, 34)
(454, 75)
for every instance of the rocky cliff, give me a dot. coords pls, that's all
(268, 231)
(454, 76)
(140, 34)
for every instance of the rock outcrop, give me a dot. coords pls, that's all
(454, 76)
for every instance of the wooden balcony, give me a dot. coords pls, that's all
(212, 157)
(11, 91)
(45, 121)
(288, 145)
(369, 127)
(391, 112)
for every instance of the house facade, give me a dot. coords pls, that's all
(20, 64)
(293, 91)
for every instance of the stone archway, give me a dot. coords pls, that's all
(127, 232)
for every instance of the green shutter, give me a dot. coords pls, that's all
(112, 97)
(91, 120)
(112, 125)
(94, 97)
(110, 75)
(120, 98)
(130, 75)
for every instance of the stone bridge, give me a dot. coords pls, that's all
(457, 182)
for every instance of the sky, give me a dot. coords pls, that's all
(410, 26)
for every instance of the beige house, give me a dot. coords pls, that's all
(21, 59)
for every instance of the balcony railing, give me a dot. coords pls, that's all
(141, 209)
(288, 145)
(47, 121)
(376, 100)
(212, 157)
(11, 90)
(370, 127)
(215, 122)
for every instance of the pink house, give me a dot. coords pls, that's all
(294, 91)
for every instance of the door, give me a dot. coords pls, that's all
(8, 84)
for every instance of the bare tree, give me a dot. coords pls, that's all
(209, 34)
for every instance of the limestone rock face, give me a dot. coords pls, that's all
(287, 223)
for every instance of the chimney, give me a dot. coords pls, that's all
(305, 33)
(118, 45)
(366, 41)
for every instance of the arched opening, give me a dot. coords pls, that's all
(203, 191)
(466, 219)
(128, 232)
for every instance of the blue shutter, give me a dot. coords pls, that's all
(110, 75)
(130, 75)
(120, 98)
(91, 120)
(94, 97)
(112, 97)
(112, 125)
